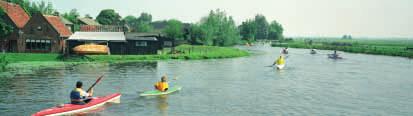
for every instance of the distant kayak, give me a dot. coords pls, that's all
(332, 56)
(313, 52)
(71, 109)
(156, 92)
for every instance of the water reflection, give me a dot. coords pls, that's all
(162, 104)
(309, 84)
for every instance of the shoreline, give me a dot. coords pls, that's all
(374, 47)
(184, 52)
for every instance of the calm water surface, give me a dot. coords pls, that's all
(309, 85)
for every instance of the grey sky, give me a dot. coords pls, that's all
(372, 18)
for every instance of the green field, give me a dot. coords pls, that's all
(186, 52)
(396, 47)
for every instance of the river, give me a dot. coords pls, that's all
(359, 84)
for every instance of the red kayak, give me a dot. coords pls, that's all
(68, 109)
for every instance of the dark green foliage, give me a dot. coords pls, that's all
(139, 24)
(5, 29)
(72, 16)
(108, 17)
(3, 63)
(33, 7)
(379, 47)
(216, 29)
(248, 30)
(174, 29)
(259, 28)
(275, 31)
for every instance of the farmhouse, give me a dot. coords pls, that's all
(16, 17)
(44, 34)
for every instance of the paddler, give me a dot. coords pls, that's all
(78, 96)
(162, 85)
(279, 61)
(335, 55)
(284, 50)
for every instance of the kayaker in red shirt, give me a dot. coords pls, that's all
(79, 96)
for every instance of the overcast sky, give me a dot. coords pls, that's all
(371, 18)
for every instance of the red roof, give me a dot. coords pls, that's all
(58, 25)
(16, 13)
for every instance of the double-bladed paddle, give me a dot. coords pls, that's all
(97, 81)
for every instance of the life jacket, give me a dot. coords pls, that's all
(161, 86)
(77, 94)
(280, 61)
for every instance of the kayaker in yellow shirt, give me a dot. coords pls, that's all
(279, 61)
(162, 85)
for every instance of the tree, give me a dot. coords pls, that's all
(248, 30)
(45, 8)
(275, 31)
(33, 7)
(145, 17)
(108, 17)
(196, 34)
(139, 24)
(261, 24)
(218, 29)
(5, 29)
(143, 27)
(88, 16)
(72, 16)
(174, 29)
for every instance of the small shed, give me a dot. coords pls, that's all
(143, 43)
(116, 41)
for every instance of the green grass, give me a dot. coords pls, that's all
(378, 47)
(182, 52)
(18, 57)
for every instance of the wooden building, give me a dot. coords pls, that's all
(143, 43)
(17, 18)
(114, 40)
(44, 34)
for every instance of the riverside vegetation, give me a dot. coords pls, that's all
(390, 47)
(185, 52)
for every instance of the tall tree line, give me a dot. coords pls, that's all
(217, 28)
(33, 7)
(139, 24)
(259, 28)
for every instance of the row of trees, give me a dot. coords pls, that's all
(217, 28)
(259, 28)
(33, 7)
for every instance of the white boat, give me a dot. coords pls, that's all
(281, 66)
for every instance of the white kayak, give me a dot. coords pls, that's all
(281, 66)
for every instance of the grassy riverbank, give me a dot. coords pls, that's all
(403, 48)
(187, 52)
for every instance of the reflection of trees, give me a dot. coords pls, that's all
(163, 104)
(150, 65)
(43, 86)
(91, 68)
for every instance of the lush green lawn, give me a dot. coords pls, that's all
(182, 52)
(380, 47)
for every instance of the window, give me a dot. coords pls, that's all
(40, 45)
(141, 43)
(167, 43)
